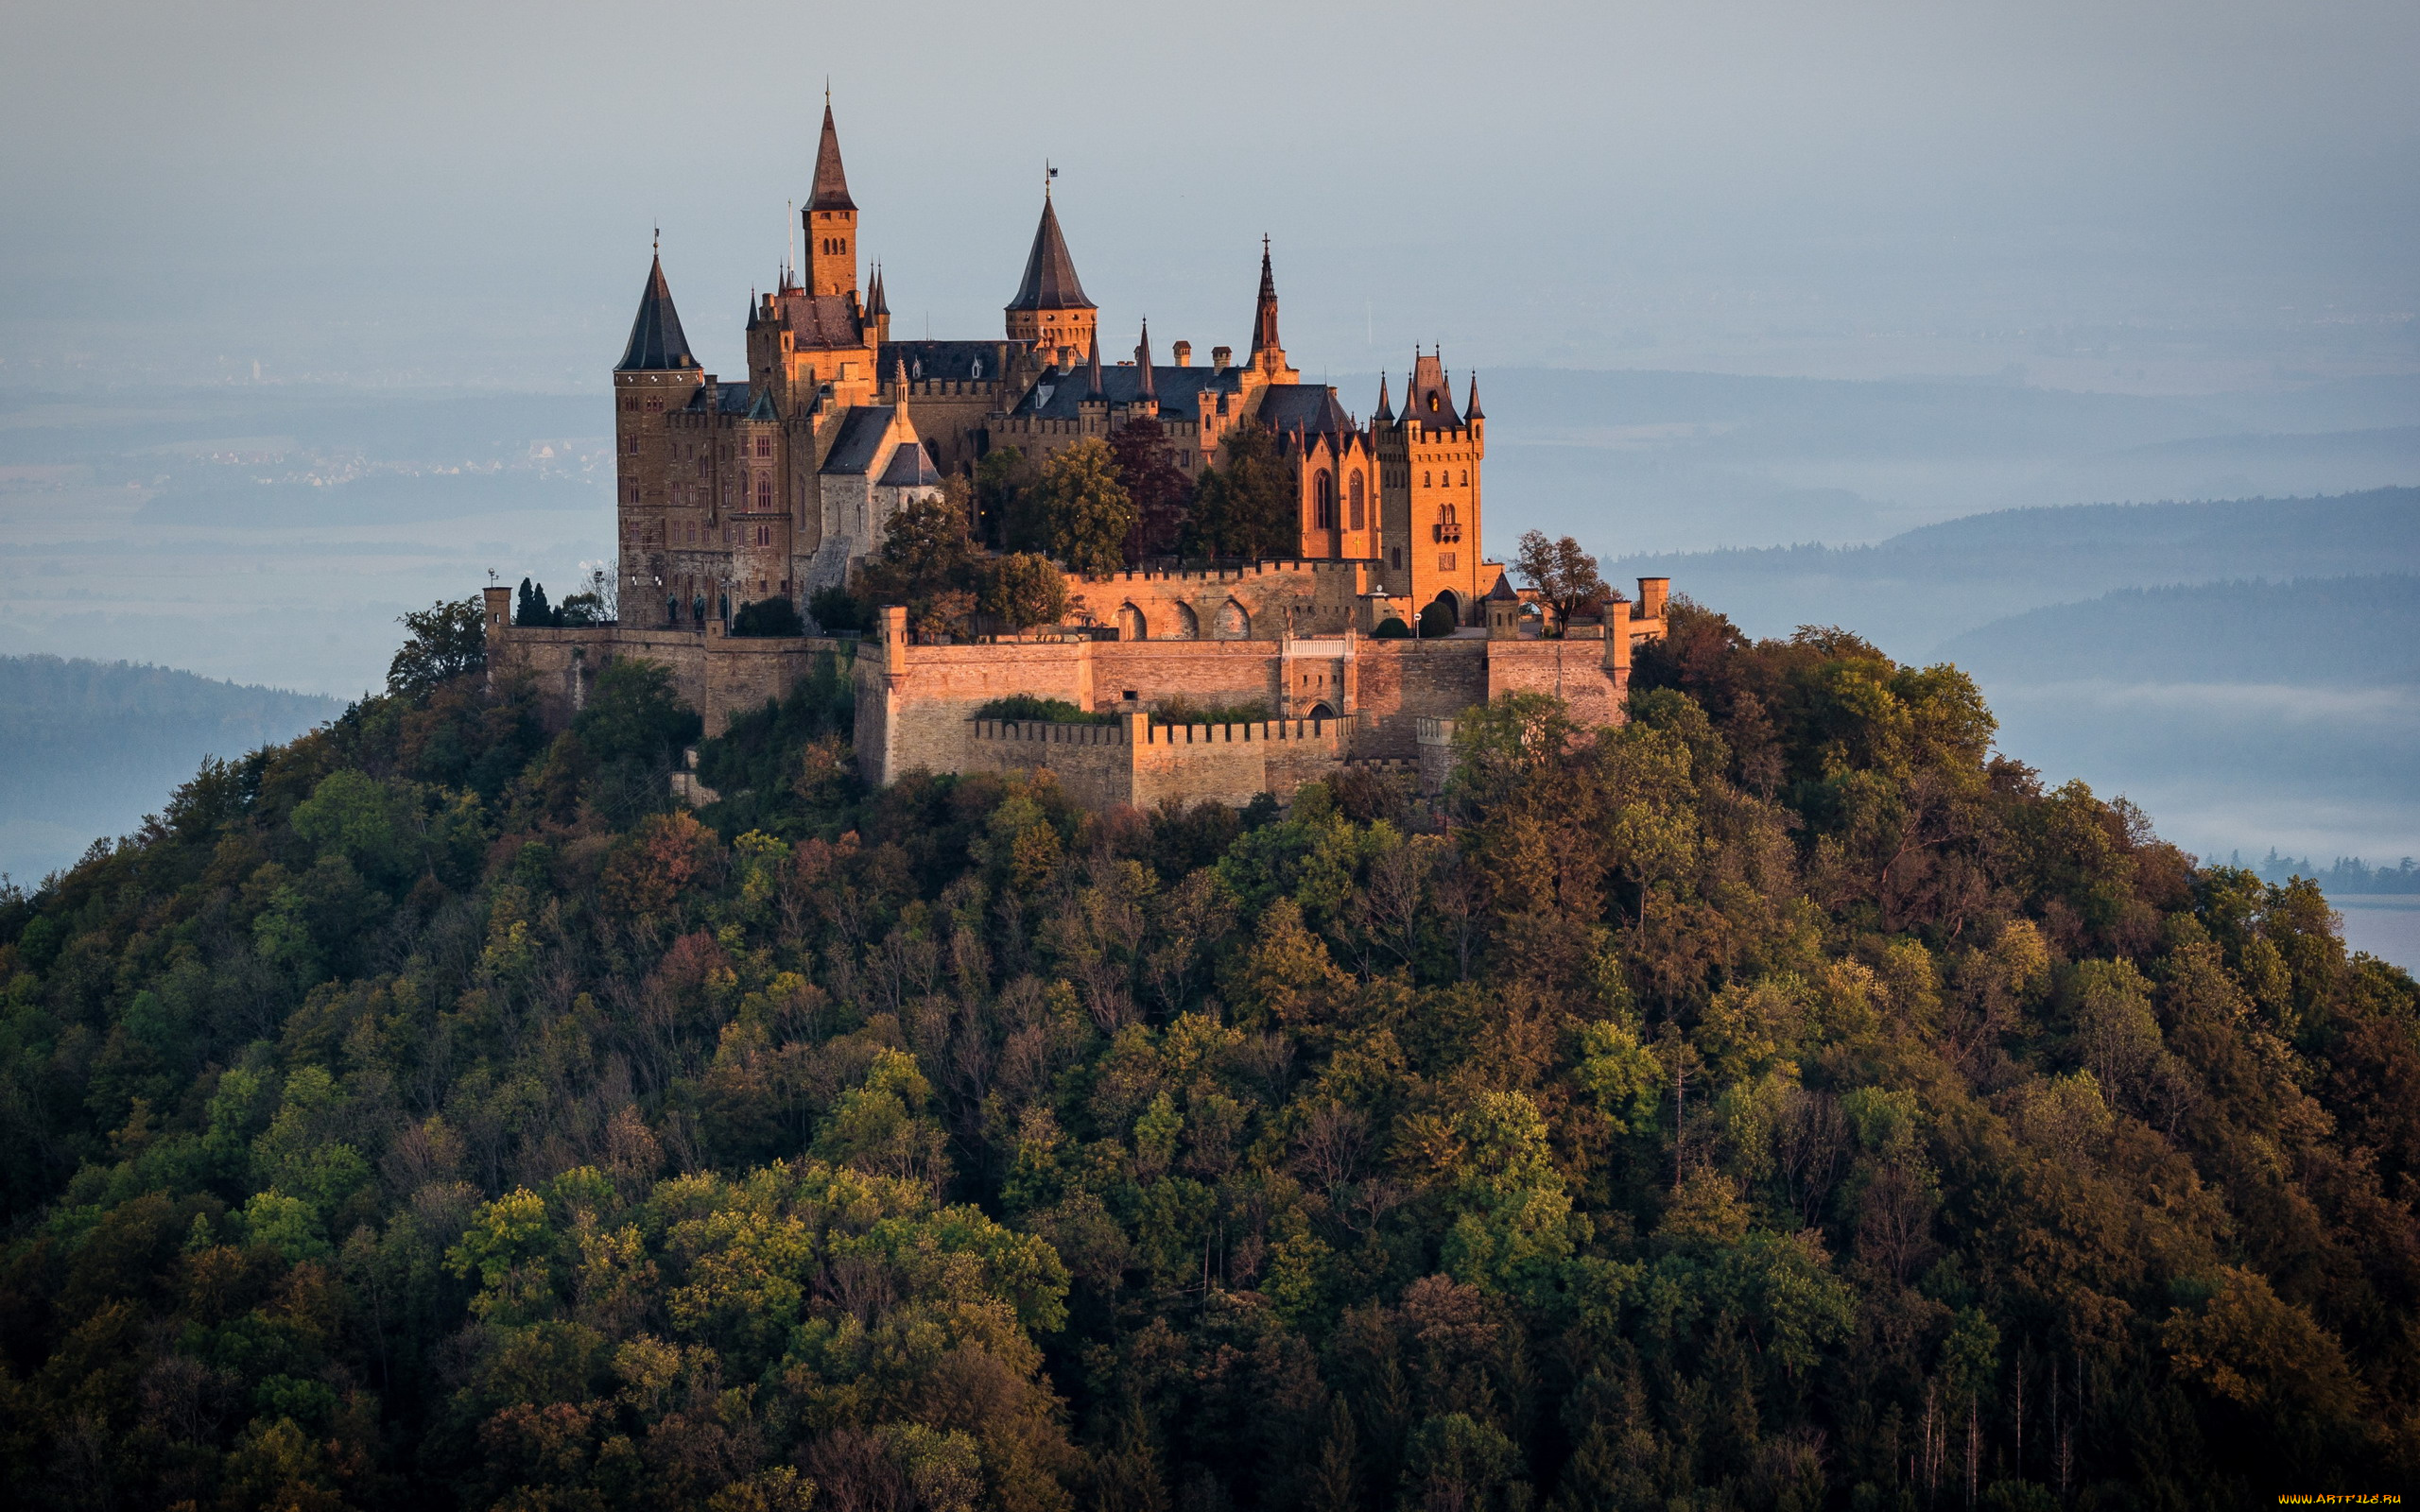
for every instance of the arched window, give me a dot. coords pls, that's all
(1323, 502)
(1424, 480)
(764, 493)
(1449, 515)
(1467, 477)
(1353, 489)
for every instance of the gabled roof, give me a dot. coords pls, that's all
(1061, 395)
(1050, 273)
(910, 469)
(859, 443)
(965, 361)
(656, 342)
(1308, 410)
(831, 185)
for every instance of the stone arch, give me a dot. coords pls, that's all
(1186, 625)
(1321, 710)
(1132, 626)
(1234, 622)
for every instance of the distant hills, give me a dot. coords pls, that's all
(1916, 591)
(89, 747)
(2342, 631)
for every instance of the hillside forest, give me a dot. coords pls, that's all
(1779, 1101)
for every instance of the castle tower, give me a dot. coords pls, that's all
(1050, 313)
(830, 219)
(1429, 460)
(655, 378)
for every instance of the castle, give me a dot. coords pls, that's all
(733, 493)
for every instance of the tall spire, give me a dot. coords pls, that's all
(1143, 361)
(1264, 319)
(1092, 380)
(876, 302)
(1385, 410)
(1050, 282)
(1471, 410)
(831, 185)
(656, 341)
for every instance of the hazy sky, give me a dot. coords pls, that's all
(2177, 196)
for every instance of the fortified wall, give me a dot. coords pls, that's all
(1333, 699)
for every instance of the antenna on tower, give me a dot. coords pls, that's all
(789, 231)
(1049, 173)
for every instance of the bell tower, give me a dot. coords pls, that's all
(830, 219)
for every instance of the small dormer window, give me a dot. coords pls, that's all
(1432, 403)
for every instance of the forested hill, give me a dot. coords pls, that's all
(2357, 630)
(1774, 1103)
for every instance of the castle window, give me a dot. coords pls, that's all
(1467, 477)
(631, 446)
(1353, 489)
(1323, 502)
(1423, 480)
(764, 493)
(653, 403)
(764, 446)
(630, 404)
(1395, 557)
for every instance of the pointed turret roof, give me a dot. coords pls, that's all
(1385, 411)
(1143, 361)
(763, 409)
(656, 341)
(831, 185)
(1264, 315)
(876, 302)
(1471, 410)
(1429, 397)
(1092, 367)
(1049, 281)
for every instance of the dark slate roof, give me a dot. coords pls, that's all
(821, 321)
(1503, 589)
(762, 407)
(723, 399)
(958, 360)
(1385, 410)
(1060, 395)
(656, 342)
(831, 185)
(1471, 411)
(909, 468)
(1287, 408)
(860, 439)
(1428, 382)
(1049, 272)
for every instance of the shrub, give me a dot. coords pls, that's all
(1026, 708)
(1437, 621)
(1184, 711)
(1392, 628)
(768, 616)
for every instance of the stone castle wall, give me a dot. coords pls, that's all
(1137, 764)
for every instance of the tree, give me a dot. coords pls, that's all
(926, 562)
(1007, 502)
(1163, 494)
(530, 609)
(447, 640)
(1090, 512)
(1245, 506)
(1564, 576)
(1022, 590)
